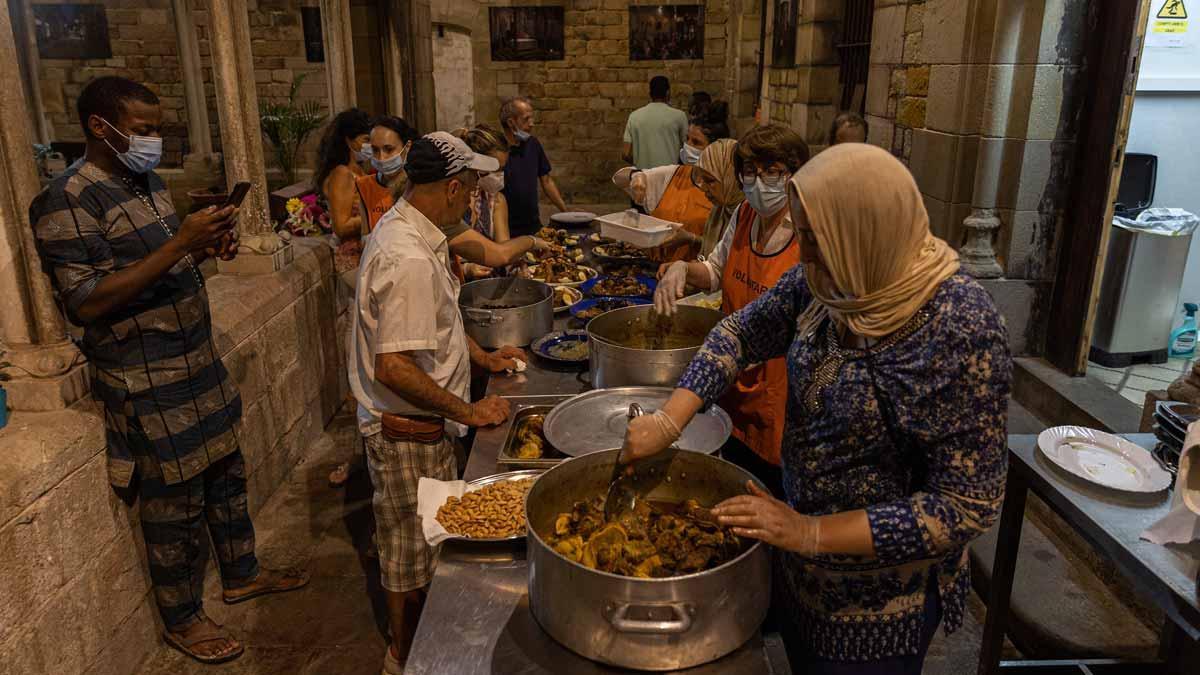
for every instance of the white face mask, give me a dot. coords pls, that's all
(522, 135)
(390, 166)
(144, 153)
(689, 155)
(493, 182)
(766, 198)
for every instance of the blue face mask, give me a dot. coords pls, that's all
(363, 154)
(144, 153)
(522, 135)
(390, 166)
(766, 198)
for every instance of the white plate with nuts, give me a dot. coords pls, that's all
(489, 509)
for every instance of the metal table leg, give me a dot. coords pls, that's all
(1008, 542)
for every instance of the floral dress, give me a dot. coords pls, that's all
(913, 430)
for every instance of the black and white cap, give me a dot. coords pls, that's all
(440, 155)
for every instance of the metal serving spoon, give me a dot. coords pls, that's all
(639, 477)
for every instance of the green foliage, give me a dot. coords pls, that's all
(286, 125)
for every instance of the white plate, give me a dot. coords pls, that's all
(1103, 459)
(575, 218)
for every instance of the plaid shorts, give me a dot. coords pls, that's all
(406, 562)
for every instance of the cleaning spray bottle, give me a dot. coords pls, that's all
(1183, 339)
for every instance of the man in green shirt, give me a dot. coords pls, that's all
(655, 133)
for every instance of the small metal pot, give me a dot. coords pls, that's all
(527, 311)
(647, 624)
(615, 364)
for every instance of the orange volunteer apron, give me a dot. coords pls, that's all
(375, 197)
(683, 203)
(757, 401)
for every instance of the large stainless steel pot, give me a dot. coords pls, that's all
(614, 363)
(528, 313)
(648, 624)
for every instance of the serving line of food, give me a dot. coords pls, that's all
(535, 574)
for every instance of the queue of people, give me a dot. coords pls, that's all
(851, 344)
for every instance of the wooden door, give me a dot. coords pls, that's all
(366, 27)
(1114, 55)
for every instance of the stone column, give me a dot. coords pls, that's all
(237, 109)
(339, 54)
(30, 63)
(48, 372)
(199, 162)
(408, 57)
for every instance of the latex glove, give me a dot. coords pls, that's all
(760, 516)
(637, 188)
(672, 283)
(648, 435)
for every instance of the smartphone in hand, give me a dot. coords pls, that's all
(237, 195)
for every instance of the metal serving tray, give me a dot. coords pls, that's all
(512, 476)
(507, 457)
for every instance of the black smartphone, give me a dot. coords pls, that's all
(237, 194)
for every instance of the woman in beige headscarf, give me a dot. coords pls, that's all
(893, 458)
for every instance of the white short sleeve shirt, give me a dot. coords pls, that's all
(406, 300)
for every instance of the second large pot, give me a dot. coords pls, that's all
(506, 311)
(634, 346)
(648, 624)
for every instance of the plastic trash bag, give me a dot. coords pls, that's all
(1160, 220)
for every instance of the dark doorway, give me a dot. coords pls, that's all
(370, 77)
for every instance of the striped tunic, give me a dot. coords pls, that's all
(167, 397)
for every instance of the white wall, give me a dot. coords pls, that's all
(1164, 124)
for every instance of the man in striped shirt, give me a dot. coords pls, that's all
(125, 269)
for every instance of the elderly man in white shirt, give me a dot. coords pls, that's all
(410, 366)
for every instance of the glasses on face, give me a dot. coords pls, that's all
(770, 174)
(701, 178)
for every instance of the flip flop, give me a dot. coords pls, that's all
(288, 580)
(209, 631)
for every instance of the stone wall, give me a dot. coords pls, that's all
(143, 39)
(804, 96)
(76, 594)
(583, 101)
(453, 77)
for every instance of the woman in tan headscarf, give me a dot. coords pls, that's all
(893, 458)
(719, 181)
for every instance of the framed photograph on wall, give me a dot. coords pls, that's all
(783, 42)
(666, 32)
(526, 33)
(71, 32)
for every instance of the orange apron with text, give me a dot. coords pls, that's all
(758, 399)
(683, 203)
(376, 198)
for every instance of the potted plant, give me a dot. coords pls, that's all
(4, 377)
(286, 125)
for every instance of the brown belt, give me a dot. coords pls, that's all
(426, 430)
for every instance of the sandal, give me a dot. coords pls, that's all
(285, 580)
(209, 631)
(339, 475)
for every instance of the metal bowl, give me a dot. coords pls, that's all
(511, 476)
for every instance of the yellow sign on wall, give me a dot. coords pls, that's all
(1172, 9)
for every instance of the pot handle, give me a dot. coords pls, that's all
(484, 317)
(680, 623)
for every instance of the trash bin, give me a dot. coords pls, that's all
(1139, 293)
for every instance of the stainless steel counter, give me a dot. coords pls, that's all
(477, 617)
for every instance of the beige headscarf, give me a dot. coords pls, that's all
(881, 264)
(717, 159)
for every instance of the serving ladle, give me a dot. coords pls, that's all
(639, 476)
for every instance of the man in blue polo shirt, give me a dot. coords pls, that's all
(527, 168)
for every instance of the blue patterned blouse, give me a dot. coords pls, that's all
(913, 431)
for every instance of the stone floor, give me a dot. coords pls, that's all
(1133, 382)
(336, 626)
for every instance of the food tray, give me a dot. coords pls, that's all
(571, 292)
(506, 457)
(649, 282)
(635, 228)
(542, 346)
(590, 272)
(478, 483)
(584, 305)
